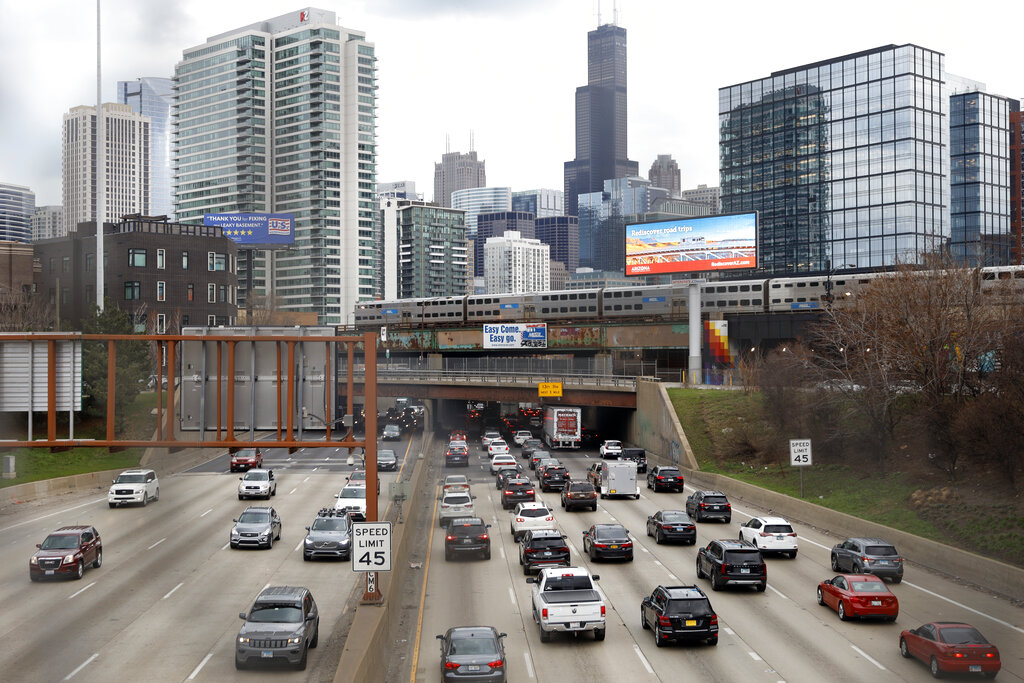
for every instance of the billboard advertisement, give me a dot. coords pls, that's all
(261, 230)
(516, 336)
(689, 245)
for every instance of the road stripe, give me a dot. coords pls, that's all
(511, 596)
(299, 545)
(59, 512)
(423, 596)
(81, 666)
(643, 660)
(969, 609)
(305, 480)
(529, 664)
(502, 551)
(868, 657)
(756, 657)
(673, 576)
(172, 590)
(293, 491)
(156, 544)
(226, 546)
(195, 671)
(207, 512)
(807, 540)
(82, 590)
(777, 592)
(314, 469)
(729, 631)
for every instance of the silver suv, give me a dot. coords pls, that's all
(329, 536)
(257, 483)
(868, 556)
(282, 625)
(257, 527)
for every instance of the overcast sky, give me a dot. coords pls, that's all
(505, 70)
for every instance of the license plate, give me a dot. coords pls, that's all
(715, 507)
(744, 571)
(614, 547)
(471, 667)
(467, 541)
(780, 538)
(49, 572)
(547, 553)
(691, 622)
(876, 603)
(575, 624)
(975, 667)
(882, 563)
(266, 653)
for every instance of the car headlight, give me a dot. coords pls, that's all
(234, 533)
(243, 639)
(69, 558)
(308, 541)
(34, 560)
(295, 640)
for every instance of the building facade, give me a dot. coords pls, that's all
(457, 171)
(126, 156)
(401, 189)
(280, 116)
(497, 224)
(601, 227)
(562, 234)
(515, 264)
(431, 251)
(541, 203)
(1016, 182)
(588, 278)
(477, 200)
(702, 194)
(664, 172)
(17, 205)
(153, 97)
(47, 222)
(600, 118)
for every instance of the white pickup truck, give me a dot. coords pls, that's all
(566, 599)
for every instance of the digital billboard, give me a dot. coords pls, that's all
(689, 245)
(255, 229)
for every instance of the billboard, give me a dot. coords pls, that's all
(516, 336)
(689, 245)
(255, 229)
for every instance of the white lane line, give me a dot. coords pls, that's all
(293, 491)
(777, 592)
(59, 512)
(327, 459)
(288, 460)
(969, 609)
(866, 656)
(673, 576)
(172, 590)
(314, 469)
(658, 562)
(299, 545)
(494, 520)
(81, 666)
(804, 538)
(305, 480)
(511, 596)
(502, 551)
(195, 671)
(82, 590)
(643, 660)
(729, 631)
(226, 546)
(755, 656)
(156, 544)
(529, 664)
(207, 512)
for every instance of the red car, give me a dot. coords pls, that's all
(858, 595)
(950, 646)
(246, 458)
(66, 552)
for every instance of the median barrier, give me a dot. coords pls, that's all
(33, 490)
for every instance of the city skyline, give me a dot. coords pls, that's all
(526, 139)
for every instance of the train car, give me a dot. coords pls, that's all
(569, 305)
(742, 296)
(787, 294)
(488, 308)
(641, 301)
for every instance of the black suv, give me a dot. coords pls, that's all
(281, 626)
(467, 535)
(679, 613)
(868, 556)
(727, 561)
(517, 490)
(531, 445)
(704, 505)
(330, 535)
(541, 548)
(637, 455)
(664, 477)
(553, 478)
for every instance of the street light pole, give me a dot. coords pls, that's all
(828, 280)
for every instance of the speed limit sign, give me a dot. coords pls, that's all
(800, 452)
(371, 547)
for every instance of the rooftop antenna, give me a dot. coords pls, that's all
(599, 13)
(471, 143)
(615, 13)
(447, 143)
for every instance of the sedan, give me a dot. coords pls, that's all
(455, 483)
(608, 541)
(497, 447)
(499, 460)
(858, 595)
(387, 461)
(672, 525)
(472, 653)
(949, 646)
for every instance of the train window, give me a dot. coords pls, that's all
(744, 288)
(775, 286)
(638, 307)
(755, 288)
(801, 284)
(788, 301)
(776, 301)
(732, 302)
(628, 307)
(592, 309)
(563, 297)
(615, 294)
(543, 310)
(801, 299)
(757, 302)
(617, 307)
(732, 288)
(564, 310)
(744, 302)
(572, 297)
(593, 295)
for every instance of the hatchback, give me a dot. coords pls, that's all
(679, 613)
(530, 516)
(553, 478)
(472, 653)
(521, 436)
(770, 535)
(256, 527)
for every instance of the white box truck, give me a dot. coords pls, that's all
(618, 478)
(562, 425)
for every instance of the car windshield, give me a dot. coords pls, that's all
(778, 529)
(353, 492)
(385, 456)
(473, 646)
(131, 479)
(715, 500)
(613, 444)
(697, 608)
(962, 635)
(548, 543)
(357, 475)
(881, 550)
(531, 442)
(456, 480)
(265, 613)
(668, 472)
(61, 542)
(534, 512)
(246, 453)
(555, 471)
(868, 587)
(256, 476)
(391, 428)
(329, 524)
(581, 486)
(675, 517)
(254, 517)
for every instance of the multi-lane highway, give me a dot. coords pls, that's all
(164, 604)
(779, 635)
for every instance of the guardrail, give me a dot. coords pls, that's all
(623, 382)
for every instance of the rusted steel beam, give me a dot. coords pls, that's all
(169, 433)
(66, 444)
(370, 428)
(111, 385)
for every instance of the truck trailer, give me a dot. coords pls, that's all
(562, 427)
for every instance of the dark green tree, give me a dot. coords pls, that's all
(133, 361)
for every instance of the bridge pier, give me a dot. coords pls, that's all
(693, 304)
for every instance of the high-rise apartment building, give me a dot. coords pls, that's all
(400, 189)
(47, 222)
(279, 116)
(562, 234)
(431, 250)
(516, 264)
(126, 155)
(477, 200)
(153, 97)
(600, 118)
(17, 204)
(497, 224)
(1016, 182)
(702, 194)
(457, 171)
(541, 203)
(665, 173)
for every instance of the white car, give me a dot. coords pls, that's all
(257, 483)
(771, 535)
(455, 483)
(455, 505)
(134, 486)
(611, 449)
(521, 436)
(528, 516)
(502, 459)
(489, 436)
(497, 447)
(352, 499)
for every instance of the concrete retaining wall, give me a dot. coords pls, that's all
(655, 425)
(23, 493)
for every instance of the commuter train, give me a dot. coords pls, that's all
(648, 302)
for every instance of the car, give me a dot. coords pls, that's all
(589, 438)
(256, 527)
(497, 447)
(257, 483)
(868, 556)
(531, 445)
(387, 461)
(607, 542)
(536, 456)
(330, 535)
(951, 647)
(578, 493)
(705, 505)
(66, 552)
(553, 478)
(457, 454)
(771, 535)
(488, 436)
(392, 432)
(134, 486)
(282, 625)
(664, 477)
(457, 435)
(521, 436)
(671, 525)
(546, 462)
(726, 561)
(594, 475)
(611, 448)
(530, 516)
(539, 548)
(467, 535)
(473, 653)
(678, 613)
(455, 505)
(245, 459)
(358, 478)
(517, 490)
(858, 595)
(455, 483)
(506, 472)
(502, 459)
(637, 455)
(352, 499)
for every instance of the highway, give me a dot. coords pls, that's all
(164, 604)
(779, 635)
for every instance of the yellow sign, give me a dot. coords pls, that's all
(549, 389)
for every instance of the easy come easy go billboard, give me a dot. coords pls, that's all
(516, 336)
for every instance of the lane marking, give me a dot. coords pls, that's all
(82, 590)
(529, 664)
(756, 657)
(969, 609)
(207, 512)
(226, 546)
(423, 596)
(59, 512)
(300, 544)
(804, 538)
(777, 592)
(195, 671)
(673, 576)
(643, 660)
(172, 590)
(293, 491)
(502, 551)
(868, 657)
(511, 596)
(314, 469)
(305, 480)
(156, 544)
(81, 666)
(729, 631)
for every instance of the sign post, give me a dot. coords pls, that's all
(371, 553)
(800, 456)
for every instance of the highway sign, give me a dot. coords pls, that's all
(800, 452)
(549, 389)
(371, 547)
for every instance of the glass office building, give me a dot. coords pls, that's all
(153, 97)
(17, 204)
(845, 160)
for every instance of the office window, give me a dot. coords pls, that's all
(90, 263)
(161, 323)
(184, 320)
(53, 264)
(222, 293)
(211, 320)
(184, 260)
(65, 264)
(191, 295)
(161, 291)
(217, 261)
(160, 254)
(132, 291)
(211, 293)
(137, 258)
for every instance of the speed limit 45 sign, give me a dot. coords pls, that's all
(800, 452)
(371, 547)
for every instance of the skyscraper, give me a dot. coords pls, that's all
(477, 200)
(431, 250)
(665, 173)
(600, 118)
(17, 204)
(457, 171)
(497, 224)
(279, 116)
(47, 222)
(516, 264)
(541, 203)
(126, 142)
(153, 97)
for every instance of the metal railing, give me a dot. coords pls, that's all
(385, 374)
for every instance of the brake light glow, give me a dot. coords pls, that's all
(449, 537)
(725, 568)
(714, 620)
(602, 610)
(484, 537)
(451, 665)
(497, 664)
(544, 613)
(664, 621)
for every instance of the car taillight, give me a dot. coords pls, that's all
(484, 537)
(519, 519)
(664, 621)
(602, 610)
(793, 533)
(600, 545)
(627, 544)
(496, 664)
(703, 505)
(865, 560)
(563, 549)
(763, 533)
(660, 477)
(959, 655)
(451, 665)
(508, 493)
(764, 569)
(449, 537)
(725, 568)
(990, 654)
(728, 505)
(714, 620)
(665, 525)
(544, 612)
(549, 518)
(530, 491)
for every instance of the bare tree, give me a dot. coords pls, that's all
(24, 312)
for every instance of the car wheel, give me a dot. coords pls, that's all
(636, 496)
(113, 505)
(904, 650)
(593, 556)
(33, 577)
(648, 483)
(593, 508)
(598, 634)
(526, 568)
(659, 538)
(545, 636)
(700, 574)
(145, 499)
(657, 636)
(447, 555)
(892, 618)
(933, 666)
(643, 620)
(842, 611)
(761, 586)
(157, 496)
(239, 496)
(301, 664)
(897, 579)
(316, 637)
(713, 640)
(80, 570)
(306, 557)
(487, 554)
(99, 559)
(563, 503)
(270, 542)
(821, 598)
(278, 537)
(715, 583)
(835, 563)
(792, 555)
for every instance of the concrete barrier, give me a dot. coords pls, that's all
(33, 490)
